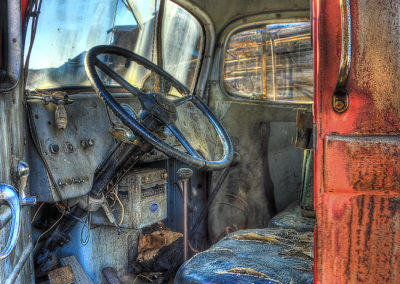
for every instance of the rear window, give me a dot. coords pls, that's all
(271, 63)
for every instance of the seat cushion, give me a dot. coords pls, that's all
(253, 256)
(291, 218)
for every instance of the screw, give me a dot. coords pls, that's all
(87, 143)
(77, 180)
(90, 142)
(70, 147)
(84, 144)
(54, 148)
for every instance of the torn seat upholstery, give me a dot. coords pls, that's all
(270, 255)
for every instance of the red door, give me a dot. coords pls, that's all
(357, 157)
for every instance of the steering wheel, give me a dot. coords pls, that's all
(157, 109)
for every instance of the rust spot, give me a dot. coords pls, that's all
(370, 163)
(247, 271)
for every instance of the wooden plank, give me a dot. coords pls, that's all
(81, 276)
(63, 275)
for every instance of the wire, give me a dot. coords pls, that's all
(35, 17)
(86, 225)
(37, 211)
(49, 229)
(122, 208)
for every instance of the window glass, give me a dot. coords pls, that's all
(67, 29)
(272, 62)
(182, 44)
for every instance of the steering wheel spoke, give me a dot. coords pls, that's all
(178, 134)
(183, 100)
(117, 78)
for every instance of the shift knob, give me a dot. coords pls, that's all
(184, 173)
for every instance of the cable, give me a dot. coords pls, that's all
(35, 16)
(49, 229)
(122, 208)
(37, 211)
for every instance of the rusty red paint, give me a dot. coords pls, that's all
(362, 164)
(357, 180)
(24, 5)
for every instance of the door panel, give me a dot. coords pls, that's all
(18, 266)
(356, 158)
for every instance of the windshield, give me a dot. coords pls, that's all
(67, 29)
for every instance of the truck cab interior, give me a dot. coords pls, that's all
(173, 141)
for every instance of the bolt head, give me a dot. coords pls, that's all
(54, 148)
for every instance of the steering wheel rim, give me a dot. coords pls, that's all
(192, 159)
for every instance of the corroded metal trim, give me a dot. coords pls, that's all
(14, 45)
(20, 264)
(340, 100)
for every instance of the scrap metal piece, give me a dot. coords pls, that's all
(81, 276)
(62, 275)
(111, 275)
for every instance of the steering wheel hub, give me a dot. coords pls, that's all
(160, 107)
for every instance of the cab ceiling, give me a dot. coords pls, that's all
(223, 12)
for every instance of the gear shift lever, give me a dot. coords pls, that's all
(184, 175)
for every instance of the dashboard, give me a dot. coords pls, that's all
(70, 157)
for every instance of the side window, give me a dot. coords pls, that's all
(271, 62)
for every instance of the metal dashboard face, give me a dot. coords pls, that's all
(73, 166)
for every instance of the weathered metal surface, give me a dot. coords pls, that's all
(222, 14)
(13, 146)
(80, 275)
(12, 140)
(356, 159)
(24, 257)
(253, 256)
(87, 119)
(365, 164)
(104, 248)
(143, 194)
(62, 275)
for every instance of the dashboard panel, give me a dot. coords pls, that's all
(71, 156)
